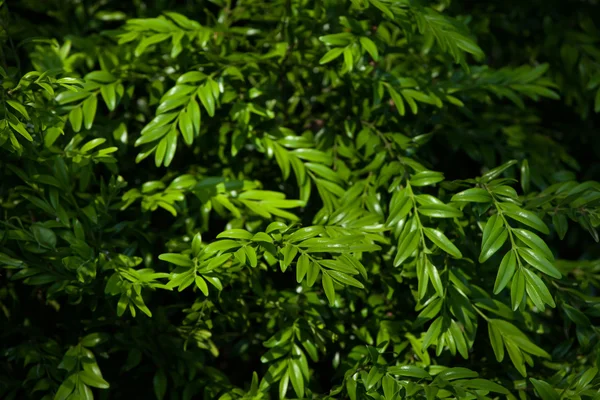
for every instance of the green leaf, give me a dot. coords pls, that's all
(496, 341)
(182, 281)
(575, 315)
(152, 135)
(450, 374)
(525, 176)
(426, 178)
(302, 267)
(399, 211)
(375, 375)
(19, 107)
(369, 46)
(506, 271)
(289, 253)
(109, 95)
(171, 147)
(216, 262)
(313, 155)
(389, 387)
(544, 390)
(20, 129)
(323, 172)
(440, 211)
(191, 77)
(251, 256)
(222, 245)
(526, 217)
(275, 353)
(338, 265)
(328, 287)
(159, 383)
(235, 234)
(383, 8)
(410, 371)
(296, 377)
(193, 110)
(459, 339)
(474, 195)
(560, 225)
(196, 244)
(201, 284)
(327, 245)
(355, 264)
(94, 339)
(122, 304)
(206, 98)
(442, 242)
(149, 41)
(71, 97)
(494, 236)
(410, 101)
(51, 135)
(434, 276)
(76, 118)
(516, 357)
(586, 378)
(406, 247)
(312, 274)
(66, 388)
(305, 233)
(534, 242)
(433, 332)
(283, 385)
(397, 99)
(177, 259)
(345, 279)
(536, 259)
(240, 255)
(89, 111)
(331, 55)
(100, 76)
(337, 39)
(534, 283)
(216, 282)
(93, 380)
(495, 172)
(186, 127)
(517, 289)
(280, 338)
(484, 384)
(44, 236)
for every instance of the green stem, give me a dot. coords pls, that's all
(481, 313)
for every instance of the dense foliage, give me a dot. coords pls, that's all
(322, 199)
